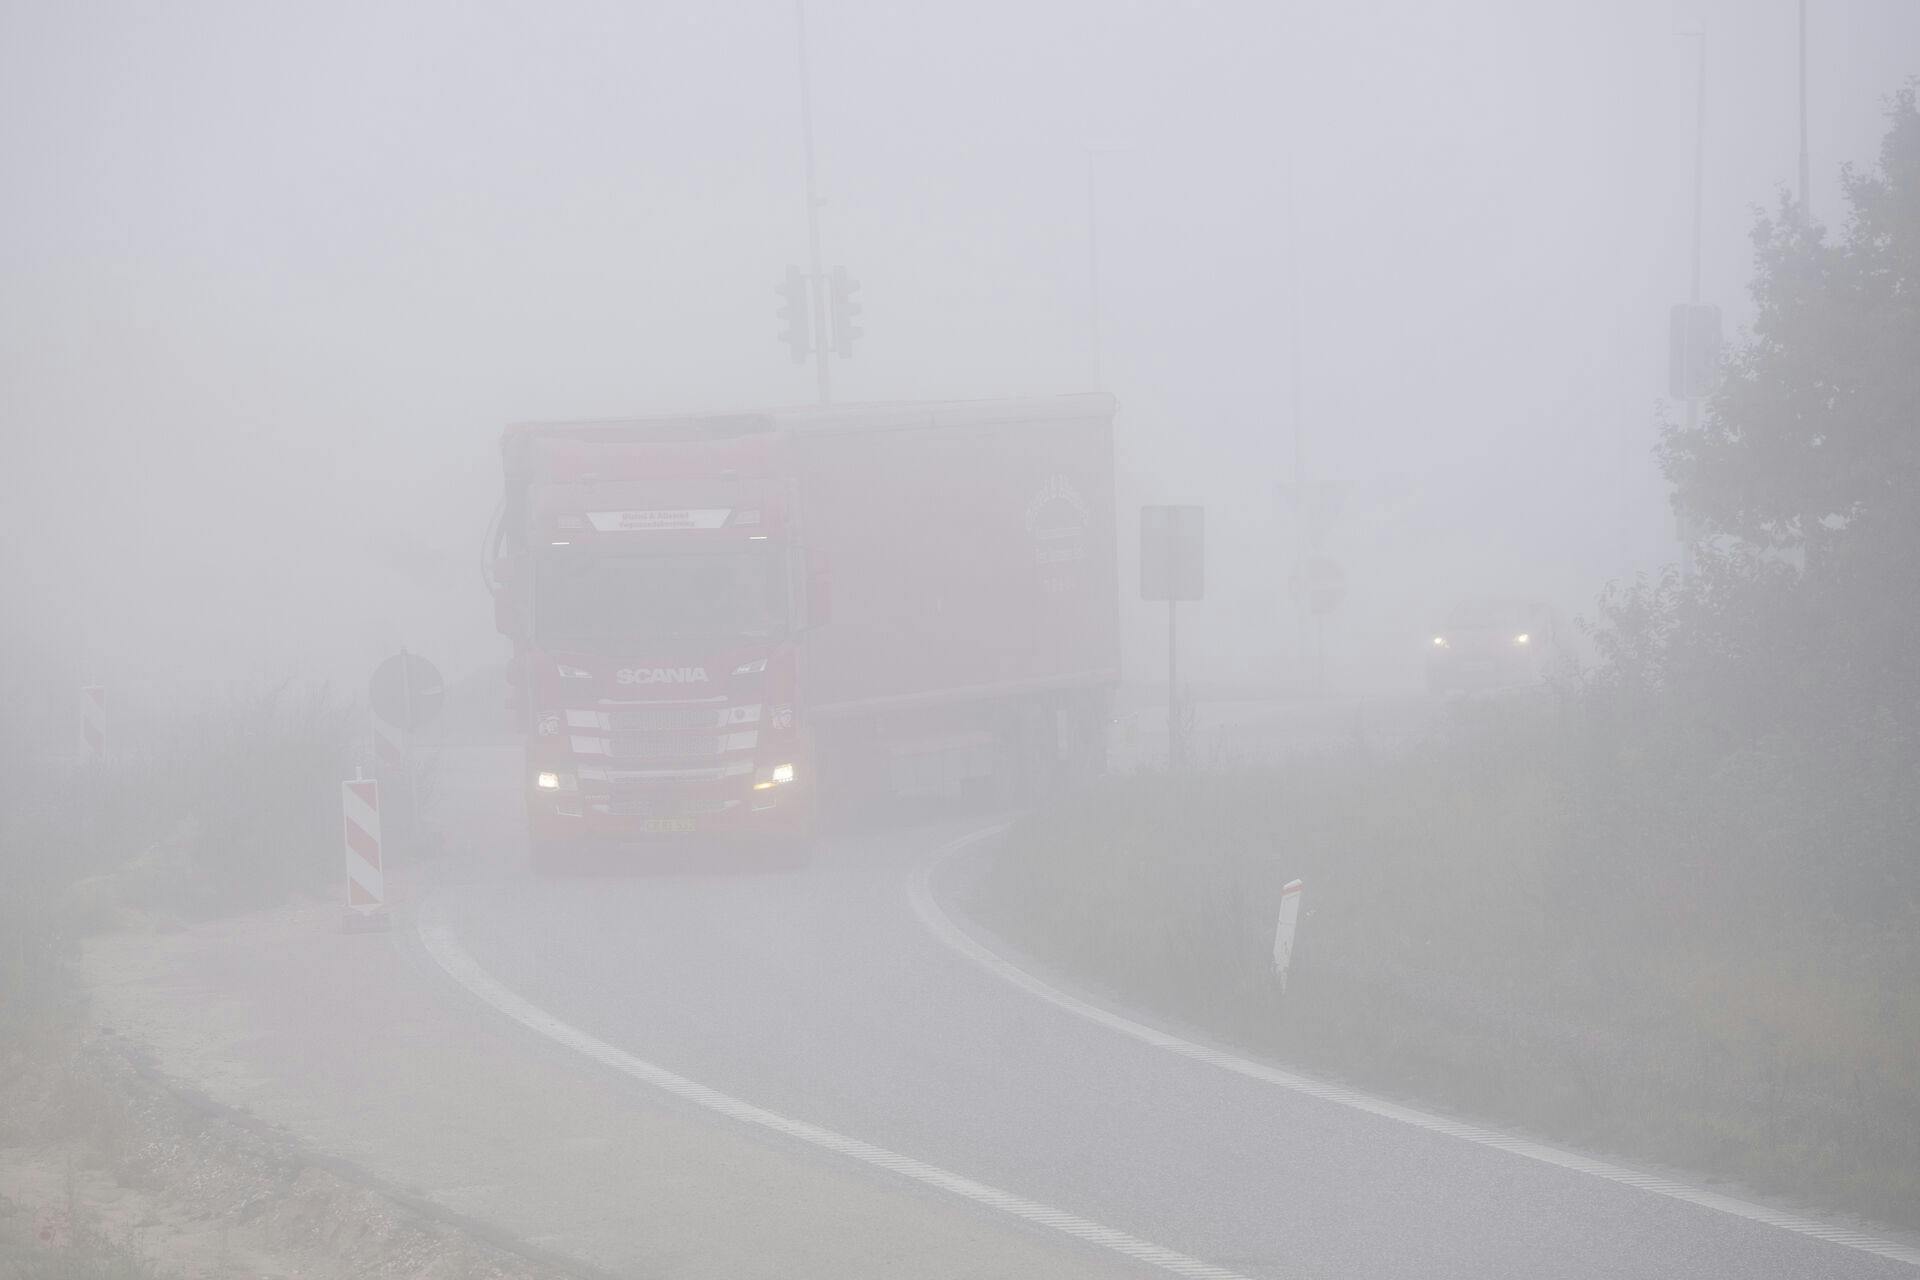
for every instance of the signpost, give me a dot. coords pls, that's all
(1172, 568)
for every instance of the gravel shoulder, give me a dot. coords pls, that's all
(345, 1044)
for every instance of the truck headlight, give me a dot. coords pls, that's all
(779, 775)
(546, 781)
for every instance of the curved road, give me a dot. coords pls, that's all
(820, 995)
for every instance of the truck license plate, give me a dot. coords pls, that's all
(667, 826)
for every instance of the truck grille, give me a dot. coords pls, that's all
(627, 803)
(661, 746)
(652, 719)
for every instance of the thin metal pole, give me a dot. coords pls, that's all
(1806, 208)
(1699, 157)
(1093, 267)
(1293, 343)
(1173, 720)
(817, 281)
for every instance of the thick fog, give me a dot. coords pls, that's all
(274, 277)
(515, 766)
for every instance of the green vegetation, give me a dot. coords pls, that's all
(1672, 910)
(223, 809)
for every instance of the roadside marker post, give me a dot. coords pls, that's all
(93, 723)
(1283, 931)
(366, 878)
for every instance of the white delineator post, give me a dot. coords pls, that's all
(93, 723)
(366, 879)
(1283, 931)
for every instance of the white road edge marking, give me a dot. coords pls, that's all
(937, 922)
(440, 943)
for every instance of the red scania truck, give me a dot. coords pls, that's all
(722, 621)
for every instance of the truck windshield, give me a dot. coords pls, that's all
(598, 601)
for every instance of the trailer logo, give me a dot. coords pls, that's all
(661, 675)
(1057, 519)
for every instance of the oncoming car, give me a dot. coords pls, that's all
(1495, 644)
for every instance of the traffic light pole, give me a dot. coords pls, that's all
(816, 277)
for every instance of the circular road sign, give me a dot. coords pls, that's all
(407, 691)
(1318, 585)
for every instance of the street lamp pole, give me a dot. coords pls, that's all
(816, 279)
(1806, 208)
(1093, 265)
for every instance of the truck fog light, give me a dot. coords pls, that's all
(547, 781)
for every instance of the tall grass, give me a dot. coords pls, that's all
(1527, 918)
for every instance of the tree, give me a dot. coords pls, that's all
(1805, 469)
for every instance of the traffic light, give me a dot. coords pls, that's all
(796, 318)
(846, 311)
(1693, 349)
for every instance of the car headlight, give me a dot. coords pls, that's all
(1523, 638)
(1439, 642)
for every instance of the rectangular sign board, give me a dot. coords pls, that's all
(1171, 562)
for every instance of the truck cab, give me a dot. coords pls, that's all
(653, 582)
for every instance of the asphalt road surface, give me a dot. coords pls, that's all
(820, 997)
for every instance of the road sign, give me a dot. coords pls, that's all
(1317, 585)
(1172, 564)
(406, 691)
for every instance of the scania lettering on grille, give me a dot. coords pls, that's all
(661, 675)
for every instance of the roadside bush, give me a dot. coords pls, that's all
(224, 809)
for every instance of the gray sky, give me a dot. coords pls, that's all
(274, 276)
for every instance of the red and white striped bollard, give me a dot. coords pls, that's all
(366, 876)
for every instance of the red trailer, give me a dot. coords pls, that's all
(718, 620)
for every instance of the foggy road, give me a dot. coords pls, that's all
(820, 996)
